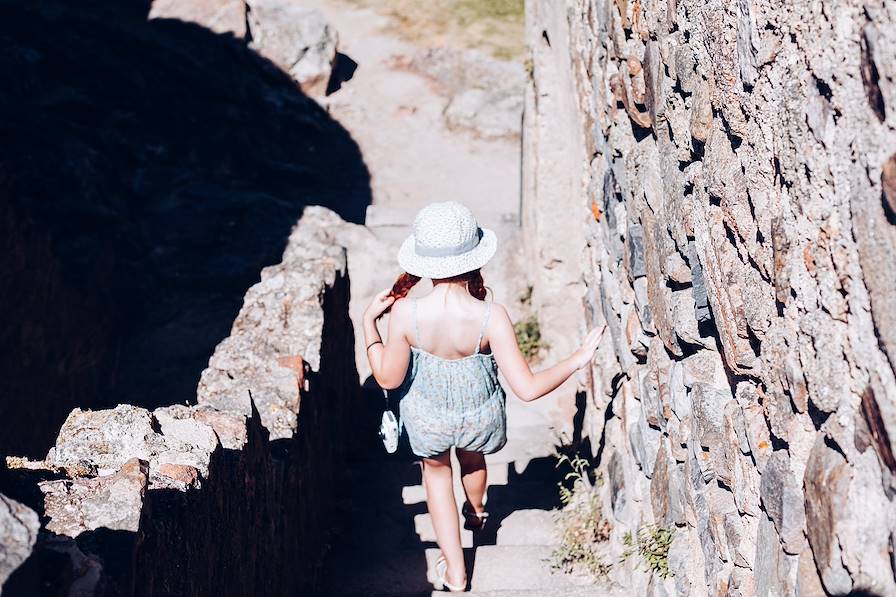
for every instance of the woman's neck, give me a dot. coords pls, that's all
(449, 286)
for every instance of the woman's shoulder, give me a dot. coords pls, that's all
(495, 308)
(402, 306)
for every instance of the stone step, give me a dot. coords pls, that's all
(528, 527)
(524, 444)
(518, 567)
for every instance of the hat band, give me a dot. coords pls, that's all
(424, 251)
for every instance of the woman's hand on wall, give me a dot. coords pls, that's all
(582, 356)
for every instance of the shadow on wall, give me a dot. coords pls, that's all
(150, 169)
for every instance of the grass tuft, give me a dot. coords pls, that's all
(651, 543)
(581, 523)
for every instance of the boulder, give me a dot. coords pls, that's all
(105, 439)
(18, 532)
(297, 39)
(115, 502)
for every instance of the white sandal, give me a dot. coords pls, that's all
(442, 574)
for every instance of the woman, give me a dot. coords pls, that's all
(443, 353)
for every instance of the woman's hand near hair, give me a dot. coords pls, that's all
(525, 384)
(379, 304)
(388, 361)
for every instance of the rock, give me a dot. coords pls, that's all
(678, 392)
(685, 561)
(783, 502)
(616, 474)
(221, 16)
(826, 485)
(18, 533)
(698, 288)
(653, 82)
(684, 322)
(888, 183)
(485, 94)
(106, 439)
(658, 294)
(707, 432)
(667, 490)
(757, 434)
(774, 570)
(183, 473)
(701, 113)
(807, 583)
(110, 501)
(231, 428)
(486, 115)
(634, 242)
(297, 39)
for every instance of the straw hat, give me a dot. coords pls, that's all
(446, 242)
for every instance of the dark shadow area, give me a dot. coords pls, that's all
(372, 532)
(149, 170)
(343, 70)
(257, 523)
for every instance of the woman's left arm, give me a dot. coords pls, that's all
(388, 360)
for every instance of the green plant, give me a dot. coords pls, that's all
(651, 543)
(528, 336)
(580, 522)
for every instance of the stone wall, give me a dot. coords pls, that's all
(721, 178)
(227, 496)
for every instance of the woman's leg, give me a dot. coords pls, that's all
(443, 511)
(474, 477)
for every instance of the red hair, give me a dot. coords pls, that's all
(473, 280)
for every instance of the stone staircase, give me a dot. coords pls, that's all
(388, 547)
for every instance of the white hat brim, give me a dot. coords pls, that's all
(447, 267)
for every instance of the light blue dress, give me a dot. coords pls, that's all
(453, 402)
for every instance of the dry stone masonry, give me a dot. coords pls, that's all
(718, 181)
(213, 498)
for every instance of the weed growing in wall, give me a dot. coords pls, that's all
(528, 331)
(651, 543)
(528, 336)
(580, 522)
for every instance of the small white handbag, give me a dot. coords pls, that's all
(390, 428)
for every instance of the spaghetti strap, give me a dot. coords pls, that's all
(416, 326)
(488, 312)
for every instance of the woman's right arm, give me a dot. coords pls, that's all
(526, 384)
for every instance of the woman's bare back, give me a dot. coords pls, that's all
(448, 323)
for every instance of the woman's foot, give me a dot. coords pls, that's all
(473, 520)
(446, 579)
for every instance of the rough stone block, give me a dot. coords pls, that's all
(18, 533)
(297, 39)
(116, 501)
(783, 500)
